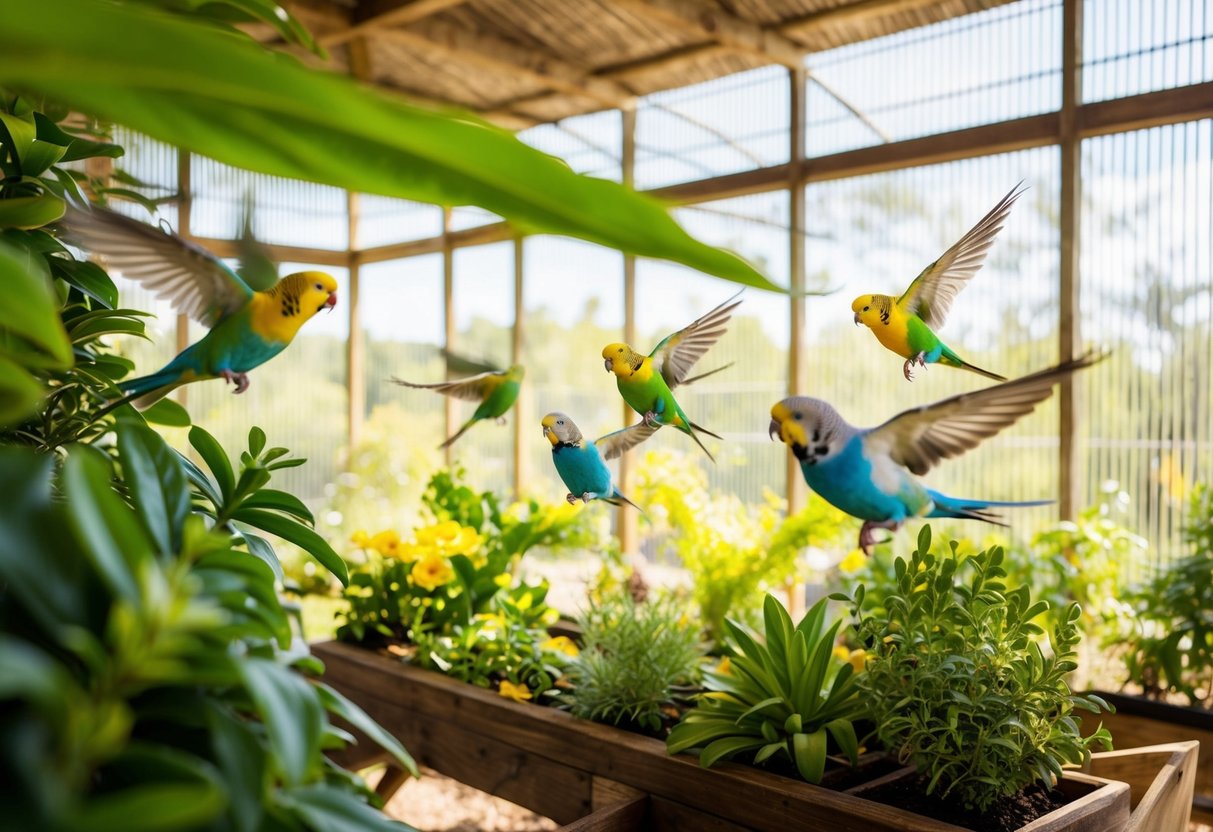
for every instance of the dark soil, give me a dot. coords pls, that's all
(1006, 815)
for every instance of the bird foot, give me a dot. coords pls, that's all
(239, 379)
(867, 540)
(650, 419)
(500, 420)
(908, 368)
(571, 498)
(586, 497)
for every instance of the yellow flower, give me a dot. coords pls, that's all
(842, 653)
(852, 562)
(858, 660)
(410, 552)
(386, 543)
(450, 538)
(725, 667)
(509, 690)
(432, 571)
(361, 539)
(560, 644)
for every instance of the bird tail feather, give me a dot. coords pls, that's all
(977, 509)
(617, 499)
(146, 391)
(458, 433)
(694, 430)
(702, 429)
(702, 376)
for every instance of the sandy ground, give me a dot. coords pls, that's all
(438, 804)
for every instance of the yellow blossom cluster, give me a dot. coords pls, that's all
(429, 552)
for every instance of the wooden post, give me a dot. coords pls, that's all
(626, 517)
(521, 410)
(185, 202)
(796, 221)
(355, 353)
(1070, 461)
(448, 308)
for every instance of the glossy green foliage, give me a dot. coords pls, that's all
(787, 697)
(1170, 646)
(958, 684)
(633, 656)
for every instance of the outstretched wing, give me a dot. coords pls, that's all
(621, 441)
(256, 267)
(193, 281)
(462, 365)
(931, 294)
(471, 389)
(676, 354)
(921, 437)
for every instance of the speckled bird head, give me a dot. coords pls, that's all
(559, 429)
(811, 428)
(305, 293)
(621, 359)
(872, 310)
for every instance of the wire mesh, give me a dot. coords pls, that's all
(874, 234)
(980, 68)
(383, 221)
(1147, 294)
(590, 144)
(1131, 47)
(739, 122)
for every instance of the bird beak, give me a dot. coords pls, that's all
(607, 364)
(857, 321)
(546, 431)
(773, 430)
(331, 302)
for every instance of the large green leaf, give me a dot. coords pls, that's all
(19, 392)
(351, 713)
(292, 714)
(326, 807)
(157, 481)
(30, 308)
(299, 534)
(228, 98)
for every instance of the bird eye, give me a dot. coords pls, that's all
(798, 417)
(320, 287)
(560, 421)
(866, 308)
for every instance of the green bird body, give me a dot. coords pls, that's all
(495, 392)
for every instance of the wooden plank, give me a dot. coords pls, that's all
(798, 78)
(355, 342)
(670, 816)
(1069, 458)
(521, 407)
(627, 816)
(625, 516)
(738, 794)
(1103, 808)
(1161, 780)
(388, 14)
(496, 232)
(1132, 731)
(393, 778)
(449, 333)
(280, 253)
(185, 204)
(606, 792)
(1150, 109)
(709, 20)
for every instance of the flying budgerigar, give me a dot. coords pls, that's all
(493, 389)
(906, 325)
(870, 474)
(582, 465)
(249, 324)
(645, 382)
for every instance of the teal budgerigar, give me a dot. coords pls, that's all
(247, 327)
(494, 390)
(906, 325)
(582, 465)
(871, 474)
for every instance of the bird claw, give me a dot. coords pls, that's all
(239, 379)
(571, 498)
(586, 497)
(500, 420)
(650, 420)
(867, 540)
(907, 369)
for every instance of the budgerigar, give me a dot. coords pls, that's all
(495, 390)
(870, 474)
(247, 327)
(646, 382)
(906, 325)
(582, 465)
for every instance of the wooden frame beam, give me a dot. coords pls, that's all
(448, 327)
(280, 253)
(798, 82)
(712, 22)
(625, 515)
(522, 407)
(355, 343)
(385, 15)
(1069, 459)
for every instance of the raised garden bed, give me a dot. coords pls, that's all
(1145, 722)
(595, 777)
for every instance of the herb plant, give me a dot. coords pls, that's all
(958, 685)
(785, 698)
(1171, 648)
(632, 657)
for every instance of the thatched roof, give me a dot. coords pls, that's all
(521, 62)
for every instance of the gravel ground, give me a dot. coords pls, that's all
(438, 804)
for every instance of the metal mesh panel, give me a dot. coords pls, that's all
(1147, 295)
(383, 220)
(590, 143)
(977, 69)
(874, 234)
(1131, 47)
(731, 124)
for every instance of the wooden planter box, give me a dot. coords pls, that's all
(595, 777)
(1160, 779)
(1143, 722)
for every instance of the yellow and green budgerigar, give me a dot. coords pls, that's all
(247, 326)
(646, 381)
(494, 390)
(906, 325)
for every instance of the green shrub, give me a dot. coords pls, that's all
(632, 656)
(782, 698)
(959, 687)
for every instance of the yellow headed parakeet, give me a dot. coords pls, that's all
(247, 327)
(906, 325)
(646, 382)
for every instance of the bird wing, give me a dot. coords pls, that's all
(186, 275)
(921, 437)
(471, 389)
(256, 267)
(621, 441)
(676, 354)
(931, 294)
(461, 365)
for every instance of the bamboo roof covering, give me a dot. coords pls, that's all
(525, 62)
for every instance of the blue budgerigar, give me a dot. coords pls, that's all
(582, 465)
(870, 474)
